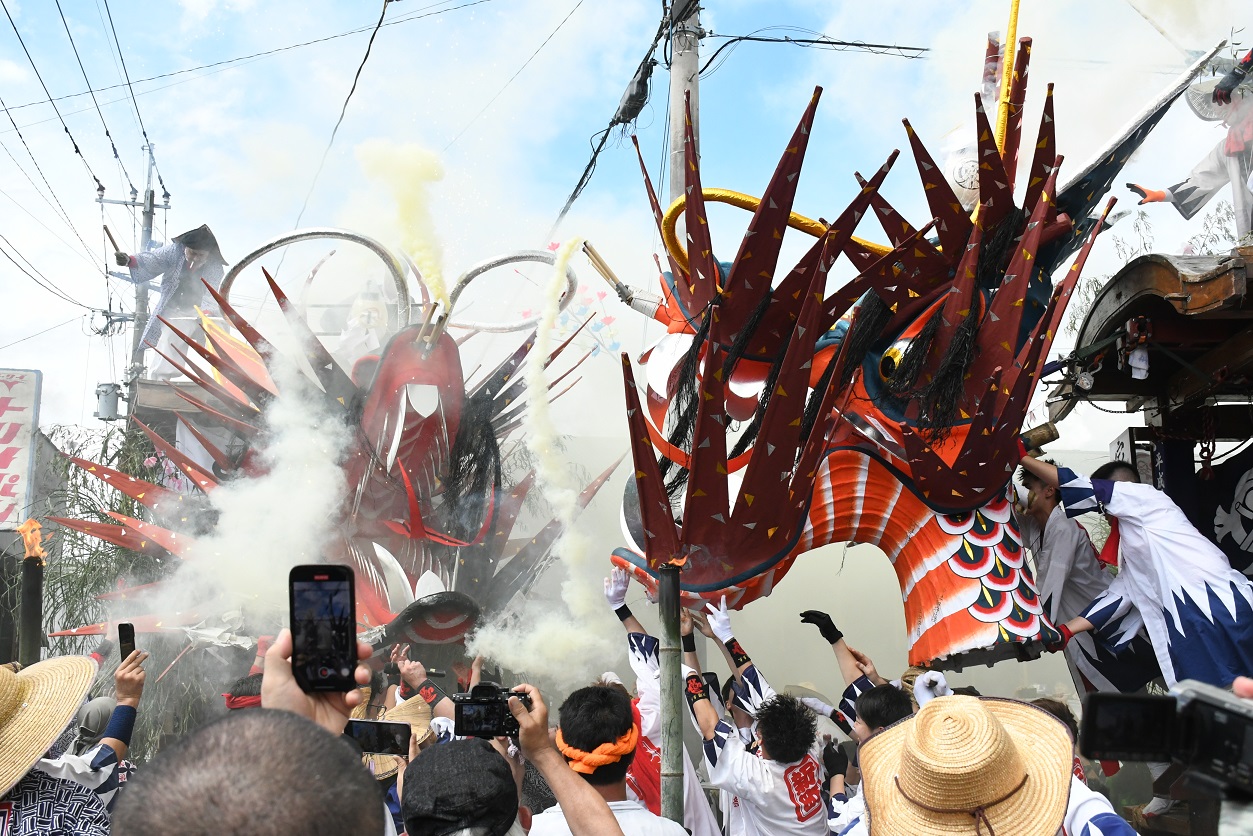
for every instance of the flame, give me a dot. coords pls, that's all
(32, 539)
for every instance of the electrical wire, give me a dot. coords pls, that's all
(99, 113)
(64, 215)
(33, 217)
(503, 87)
(343, 110)
(405, 18)
(38, 278)
(41, 333)
(99, 186)
(820, 42)
(130, 89)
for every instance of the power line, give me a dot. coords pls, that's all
(64, 214)
(126, 74)
(503, 87)
(37, 277)
(406, 18)
(67, 244)
(343, 110)
(821, 41)
(41, 333)
(99, 113)
(99, 185)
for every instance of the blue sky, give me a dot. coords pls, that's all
(238, 146)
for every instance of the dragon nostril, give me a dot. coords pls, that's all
(887, 365)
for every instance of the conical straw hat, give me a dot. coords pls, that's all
(36, 705)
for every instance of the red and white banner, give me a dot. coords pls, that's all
(19, 418)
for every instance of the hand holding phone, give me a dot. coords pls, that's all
(323, 627)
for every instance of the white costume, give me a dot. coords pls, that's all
(1172, 582)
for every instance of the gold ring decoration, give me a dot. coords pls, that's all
(809, 226)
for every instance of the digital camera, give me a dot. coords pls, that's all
(1207, 729)
(484, 712)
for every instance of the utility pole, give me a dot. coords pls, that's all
(685, 34)
(149, 206)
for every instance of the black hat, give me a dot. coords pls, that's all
(459, 785)
(201, 238)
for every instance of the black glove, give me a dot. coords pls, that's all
(824, 624)
(1222, 93)
(834, 760)
(122, 259)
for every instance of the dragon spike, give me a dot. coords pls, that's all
(335, 381)
(999, 335)
(894, 224)
(201, 477)
(176, 544)
(259, 343)
(1045, 153)
(704, 277)
(145, 493)
(1017, 95)
(257, 391)
(503, 385)
(220, 458)
(779, 438)
(218, 417)
(227, 392)
(952, 223)
(116, 534)
(685, 294)
(962, 295)
(995, 194)
(1034, 352)
(566, 342)
(661, 541)
(706, 504)
(232, 404)
(752, 272)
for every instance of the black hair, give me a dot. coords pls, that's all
(1026, 478)
(967, 691)
(265, 772)
(1108, 469)
(787, 728)
(883, 705)
(727, 688)
(1062, 712)
(593, 716)
(246, 686)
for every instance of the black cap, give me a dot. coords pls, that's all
(201, 238)
(458, 785)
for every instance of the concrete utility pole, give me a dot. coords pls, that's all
(149, 206)
(685, 34)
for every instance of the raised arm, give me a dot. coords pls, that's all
(128, 683)
(616, 586)
(844, 656)
(1042, 470)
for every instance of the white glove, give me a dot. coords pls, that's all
(930, 685)
(720, 621)
(616, 586)
(818, 706)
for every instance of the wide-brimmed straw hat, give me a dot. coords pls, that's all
(36, 705)
(969, 765)
(416, 713)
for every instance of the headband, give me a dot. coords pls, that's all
(585, 763)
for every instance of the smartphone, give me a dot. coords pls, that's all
(379, 737)
(125, 639)
(323, 627)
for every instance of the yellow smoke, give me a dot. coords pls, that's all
(408, 170)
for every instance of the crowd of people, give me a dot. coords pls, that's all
(906, 756)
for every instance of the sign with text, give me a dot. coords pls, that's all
(19, 418)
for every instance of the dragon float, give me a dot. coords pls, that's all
(780, 414)
(428, 513)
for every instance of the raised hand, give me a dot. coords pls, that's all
(128, 681)
(720, 621)
(280, 690)
(616, 586)
(701, 622)
(824, 624)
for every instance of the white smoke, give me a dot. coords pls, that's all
(268, 524)
(566, 645)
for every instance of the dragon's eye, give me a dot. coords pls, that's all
(888, 363)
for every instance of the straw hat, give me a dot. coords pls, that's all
(35, 707)
(416, 713)
(969, 765)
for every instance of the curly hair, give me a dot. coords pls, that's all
(787, 727)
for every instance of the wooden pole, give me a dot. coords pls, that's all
(672, 700)
(30, 631)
